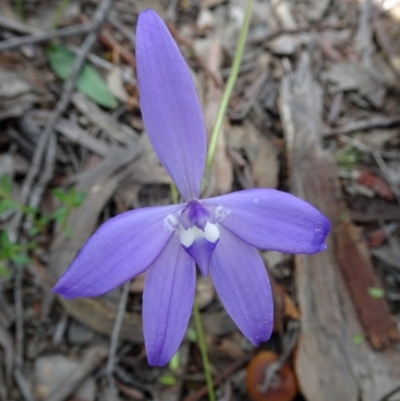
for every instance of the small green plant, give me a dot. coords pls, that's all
(69, 200)
(6, 201)
(18, 253)
(167, 380)
(348, 158)
(19, 6)
(358, 339)
(376, 292)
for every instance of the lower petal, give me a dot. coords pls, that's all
(242, 283)
(120, 249)
(167, 302)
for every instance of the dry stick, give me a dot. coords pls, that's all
(375, 122)
(364, 32)
(48, 35)
(23, 385)
(47, 171)
(114, 340)
(16, 26)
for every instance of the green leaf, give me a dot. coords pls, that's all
(7, 204)
(167, 380)
(20, 259)
(60, 214)
(174, 362)
(5, 185)
(60, 194)
(375, 292)
(358, 339)
(4, 240)
(78, 199)
(30, 211)
(191, 335)
(89, 81)
(4, 271)
(68, 232)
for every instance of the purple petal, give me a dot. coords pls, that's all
(167, 302)
(274, 220)
(170, 107)
(241, 281)
(120, 249)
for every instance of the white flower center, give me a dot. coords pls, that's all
(210, 233)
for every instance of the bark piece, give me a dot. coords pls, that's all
(329, 364)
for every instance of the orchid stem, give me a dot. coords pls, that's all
(174, 193)
(229, 87)
(203, 351)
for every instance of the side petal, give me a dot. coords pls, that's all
(167, 302)
(242, 283)
(273, 220)
(120, 249)
(170, 107)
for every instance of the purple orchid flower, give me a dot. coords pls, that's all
(220, 234)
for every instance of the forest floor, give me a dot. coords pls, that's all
(315, 112)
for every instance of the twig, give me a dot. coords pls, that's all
(114, 340)
(375, 122)
(74, 30)
(23, 385)
(367, 149)
(364, 34)
(294, 31)
(47, 171)
(16, 26)
(19, 336)
(62, 105)
(91, 361)
(249, 98)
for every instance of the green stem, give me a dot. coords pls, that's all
(229, 87)
(203, 351)
(174, 193)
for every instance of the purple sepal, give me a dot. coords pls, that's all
(170, 107)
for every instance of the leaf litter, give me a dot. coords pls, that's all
(101, 151)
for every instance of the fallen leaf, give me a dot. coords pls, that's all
(89, 82)
(377, 184)
(282, 388)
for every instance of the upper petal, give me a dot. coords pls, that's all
(170, 106)
(273, 220)
(121, 248)
(241, 281)
(167, 302)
